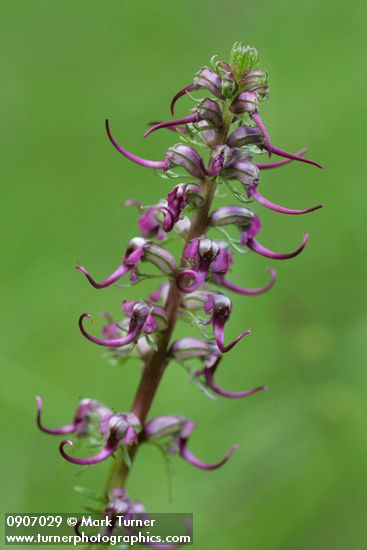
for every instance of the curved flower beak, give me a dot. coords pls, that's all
(172, 123)
(219, 337)
(63, 430)
(139, 317)
(260, 124)
(221, 307)
(291, 156)
(106, 452)
(115, 276)
(193, 460)
(134, 255)
(272, 149)
(221, 280)
(254, 193)
(267, 165)
(260, 249)
(179, 94)
(196, 279)
(209, 378)
(161, 164)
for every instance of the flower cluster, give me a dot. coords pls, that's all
(227, 123)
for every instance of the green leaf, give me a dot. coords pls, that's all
(126, 456)
(88, 493)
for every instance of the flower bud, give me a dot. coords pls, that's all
(243, 170)
(210, 111)
(160, 257)
(245, 135)
(189, 159)
(245, 102)
(206, 78)
(243, 59)
(255, 81)
(121, 428)
(191, 348)
(231, 214)
(162, 426)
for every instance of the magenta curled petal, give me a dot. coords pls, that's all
(260, 124)
(260, 249)
(115, 276)
(184, 120)
(191, 459)
(111, 343)
(267, 165)
(179, 94)
(106, 452)
(161, 164)
(254, 193)
(246, 291)
(219, 337)
(197, 279)
(68, 429)
(209, 378)
(291, 156)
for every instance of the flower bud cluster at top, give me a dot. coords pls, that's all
(228, 125)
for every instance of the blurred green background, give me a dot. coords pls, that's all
(299, 478)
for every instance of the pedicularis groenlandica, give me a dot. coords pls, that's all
(227, 126)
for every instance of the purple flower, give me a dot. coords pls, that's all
(249, 225)
(141, 321)
(87, 411)
(247, 102)
(119, 503)
(204, 78)
(220, 307)
(161, 164)
(138, 250)
(177, 200)
(149, 224)
(179, 429)
(208, 111)
(116, 429)
(252, 191)
(179, 155)
(203, 255)
(185, 349)
(208, 374)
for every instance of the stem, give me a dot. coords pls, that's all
(154, 369)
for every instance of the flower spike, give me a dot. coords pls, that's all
(161, 164)
(254, 193)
